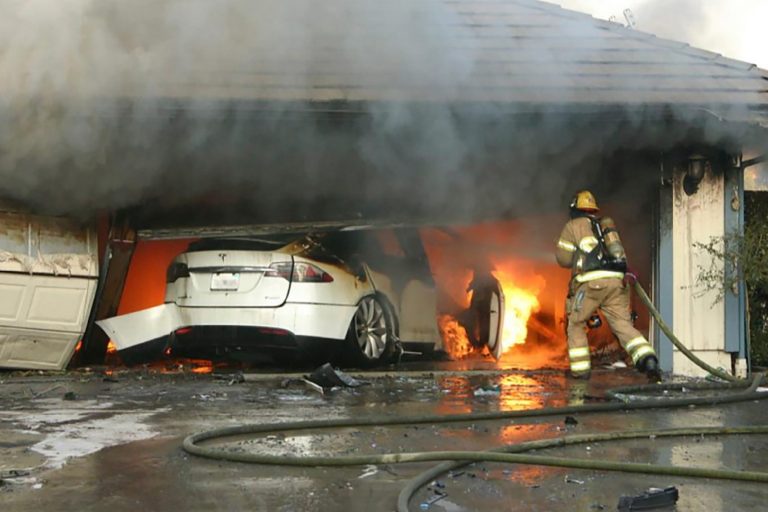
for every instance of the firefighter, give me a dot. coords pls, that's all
(590, 246)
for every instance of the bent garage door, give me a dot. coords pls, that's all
(48, 275)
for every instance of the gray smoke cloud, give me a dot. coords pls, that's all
(276, 110)
(680, 20)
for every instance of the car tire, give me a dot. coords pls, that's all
(370, 336)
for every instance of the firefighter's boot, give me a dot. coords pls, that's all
(650, 366)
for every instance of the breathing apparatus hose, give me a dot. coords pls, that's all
(740, 391)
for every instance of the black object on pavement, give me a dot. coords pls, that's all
(326, 377)
(649, 500)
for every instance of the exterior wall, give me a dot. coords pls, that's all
(663, 290)
(698, 317)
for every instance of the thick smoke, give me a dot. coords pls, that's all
(276, 110)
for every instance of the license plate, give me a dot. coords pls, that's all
(225, 281)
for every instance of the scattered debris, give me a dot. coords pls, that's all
(488, 390)
(571, 421)
(650, 499)
(70, 395)
(618, 364)
(597, 506)
(13, 473)
(326, 378)
(47, 390)
(570, 480)
(232, 379)
(109, 378)
(433, 499)
(368, 470)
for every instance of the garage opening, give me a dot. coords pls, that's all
(518, 254)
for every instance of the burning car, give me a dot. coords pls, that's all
(362, 294)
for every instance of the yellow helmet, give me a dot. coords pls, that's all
(585, 201)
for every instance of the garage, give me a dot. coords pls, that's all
(480, 160)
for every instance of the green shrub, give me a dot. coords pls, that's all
(746, 258)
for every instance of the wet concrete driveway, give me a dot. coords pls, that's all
(90, 442)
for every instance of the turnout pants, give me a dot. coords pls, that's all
(612, 297)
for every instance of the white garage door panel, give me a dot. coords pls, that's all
(41, 319)
(59, 307)
(36, 349)
(44, 302)
(48, 273)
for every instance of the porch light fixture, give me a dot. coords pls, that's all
(694, 174)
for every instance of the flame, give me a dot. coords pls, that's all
(455, 339)
(519, 304)
(207, 367)
(111, 347)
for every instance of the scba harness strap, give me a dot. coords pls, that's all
(593, 254)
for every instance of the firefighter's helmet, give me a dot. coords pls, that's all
(584, 201)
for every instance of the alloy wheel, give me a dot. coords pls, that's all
(371, 330)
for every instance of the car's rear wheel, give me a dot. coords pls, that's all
(370, 333)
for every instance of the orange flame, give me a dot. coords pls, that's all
(455, 339)
(111, 347)
(519, 304)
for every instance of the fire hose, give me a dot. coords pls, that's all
(516, 453)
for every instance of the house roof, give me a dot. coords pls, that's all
(504, 51)
(500, 51)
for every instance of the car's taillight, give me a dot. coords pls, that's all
(307, 273)
(175, 271)
(299, 272)
(280, 270)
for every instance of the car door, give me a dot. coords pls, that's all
(496, 322)
(484, 318)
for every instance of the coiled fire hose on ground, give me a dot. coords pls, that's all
(744, 391)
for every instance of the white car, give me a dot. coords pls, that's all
(368, 293)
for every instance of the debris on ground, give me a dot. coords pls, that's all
(488, 390)
(437, 496)
(368, 470)
(326, 378)
(650, 499)
(70, 395)
(570, 480)
(47, 390)
(571, 421)
(232, 379)
(10, 474)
